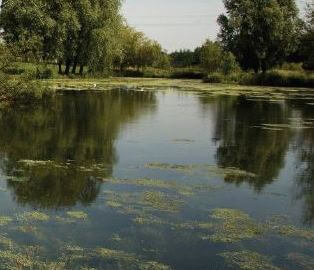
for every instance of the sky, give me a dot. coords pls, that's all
(176, 24)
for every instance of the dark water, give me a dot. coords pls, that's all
(146, 180)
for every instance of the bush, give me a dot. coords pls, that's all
(21, 90)
(281, 79)
(229, 63)
(41, 73)
(14, 71)
(214, 78)
(187, 75)
(292, 67)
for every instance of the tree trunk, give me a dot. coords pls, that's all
(264, 69)
(60, 68)
(81, 69)
(67, 68)
(74, 67)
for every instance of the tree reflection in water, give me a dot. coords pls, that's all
(242, 143)
(76, 132)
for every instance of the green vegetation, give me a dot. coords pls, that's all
(33, 216)
(77, 214)
(4, 220)
(301, 260)
(248, 260)
(235, 226)
(46, 40)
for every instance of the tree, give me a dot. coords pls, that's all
(211, 56)
(229, 63)
(307, 39)
(137, 51)
(259, 33)
(67, 30)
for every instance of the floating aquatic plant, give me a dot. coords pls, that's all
(248, 260)
(161, 201)
(289, 230)
(77, 214)
(6, 242)
(130, 259)
(228, 172)
(234, 226)
(302, 260)
(15, 261)
(155, 183)
(33, 216)
(4, 220)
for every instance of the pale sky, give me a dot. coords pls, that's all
(176, 24)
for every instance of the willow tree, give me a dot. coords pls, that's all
(307, 38)
(64, 30)
(260, 33)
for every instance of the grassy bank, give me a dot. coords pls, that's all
(277, 78)
(16, 91)
(25, 83)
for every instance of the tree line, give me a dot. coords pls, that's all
(76, 33)
(258, 35)
(91, 34)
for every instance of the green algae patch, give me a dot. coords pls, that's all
(64, 220)
(234, 226)
(128, 259)
(289, 230)
(116, 255)
(229, 173)
(153, 266)
(33, 216)
(77, 214)
(175, 167)
(248, 260)
(154, 183)
(161, 201)
(304, 261)
(4, 220)
(6, 242)
(18, 179)
(149, 220)
(15, 261)
(236, 174)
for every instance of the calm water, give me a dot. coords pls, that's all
(146, 180)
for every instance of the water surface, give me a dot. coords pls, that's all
(158, 180)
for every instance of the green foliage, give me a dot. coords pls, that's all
(17, 89)
(260, 33)
(229, 63)
(211, 56)
(214, 59)
(278, 78)
(214, 78)
(292, 67)
(137, 51)
(72, 32)
(41, 73)
(185, 58)
(307, 39)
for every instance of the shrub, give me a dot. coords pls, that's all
(292, 66)
(277, 78)
(229, 63)
(41, 73)
(14, 71)
(214, 78)
(187, 75)
(21, 90)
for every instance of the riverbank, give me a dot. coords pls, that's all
(289, 75)
(20, 91)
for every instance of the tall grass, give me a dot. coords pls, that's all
(21, 90)
(280, 78)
